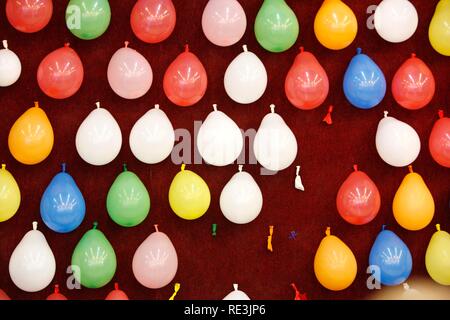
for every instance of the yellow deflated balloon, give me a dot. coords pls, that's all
(334, 264)
(335, 25)
(439, 31)
(189, 195)
(413, 204)
(9, 194)
(31, 138)
(437, 258)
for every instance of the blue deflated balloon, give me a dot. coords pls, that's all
(364, 82)
(62, 204)
(393, 258)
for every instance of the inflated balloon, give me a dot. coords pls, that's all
(56, 295)
(335, 25)
(155, 261)
(94, 260)
(30, 139)
(129, 73)
(32, 264)
(224, 22)
(60, 74)
(29, 16)
(185, 80)
(437, 257)
(219, 139)
(117, 294)
(236, 294)
(88, 19)
(99, 139)
(9, 195)
(245, 78)
(4, 296)
(10, 66)
(413, 84)
(439, 30)
(439, 141)
(413, 204)
(358, 199)
(306, 83)
(275, 145)
(364, 82)
(153, 21)
(334, 263)
(128, 201)
(397, 143)
(241, 199)
(189, 195)
(62, 204)
(393, 258)
(396, 20)
(152, 137)
(276, 26)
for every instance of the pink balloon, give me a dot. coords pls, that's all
(155, 262)
(224, 22)
(129, 73)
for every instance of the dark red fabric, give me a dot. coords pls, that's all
(209, 265)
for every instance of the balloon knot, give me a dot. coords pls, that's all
(34, 224)
(5, 44)
(97, 104)
(438, 227)
(126, 44)
(183, 166)
(36, 104)
(383, 227)
(3, 166)
(441, 114)
(240, 167)
(358, 51)
(302, 49)
(235, 286)
(156, 106)
(67, 44)
(186, 48)
(215, 106)
(298, 295)
(410, 168)
(328, 231)
(156, 227)
(176, 289)
(386, 113)
(63, 167)
(244, 47)
(56, 288)
(95, 224)
(328, 120)
(355, 167)
(272, 108)
(413, 55)
(116, 286)
(269, 239)
(214, 229)
(125, 167)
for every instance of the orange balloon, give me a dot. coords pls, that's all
(439, 142)
(31, 137)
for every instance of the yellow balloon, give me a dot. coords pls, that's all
(413, 205)
(334, 264)
(437, 258)
(9, 195)
(31, 138)
(189, 195)
(439, 30)
(335, 25)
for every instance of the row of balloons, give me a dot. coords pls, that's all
(224, 21)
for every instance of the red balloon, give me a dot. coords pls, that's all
(29, 15)
(56, 295)
(413, 84)
(3, 295)
(60, 73)
(358, 199)
(185, 80)
(117, 294)
(153, 21)
(439, 142)
(306, 83)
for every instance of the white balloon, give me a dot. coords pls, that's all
(241, 199)
(98, 140)
(219, 139)
(275, 145)
(32, 264)
(236, 294)
(246, 78)
(152, 137)
(396, 20)
(10, 66)
(397, 143)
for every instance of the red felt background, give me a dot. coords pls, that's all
(208, 266)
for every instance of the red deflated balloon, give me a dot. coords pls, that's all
(117, 294)
(29, 15)
(185, 80)
(3, 295)
(306, 83)
(153, 21)
(413, 84)
(358, 199)
(56, 295)
(439, 142)
(60, 73)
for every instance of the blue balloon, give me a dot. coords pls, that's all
(62, 204)
(393, 258)
(364, 82)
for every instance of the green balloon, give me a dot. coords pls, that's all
(276, 26)
(128, 201)
(88, 19)
(94, 260)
